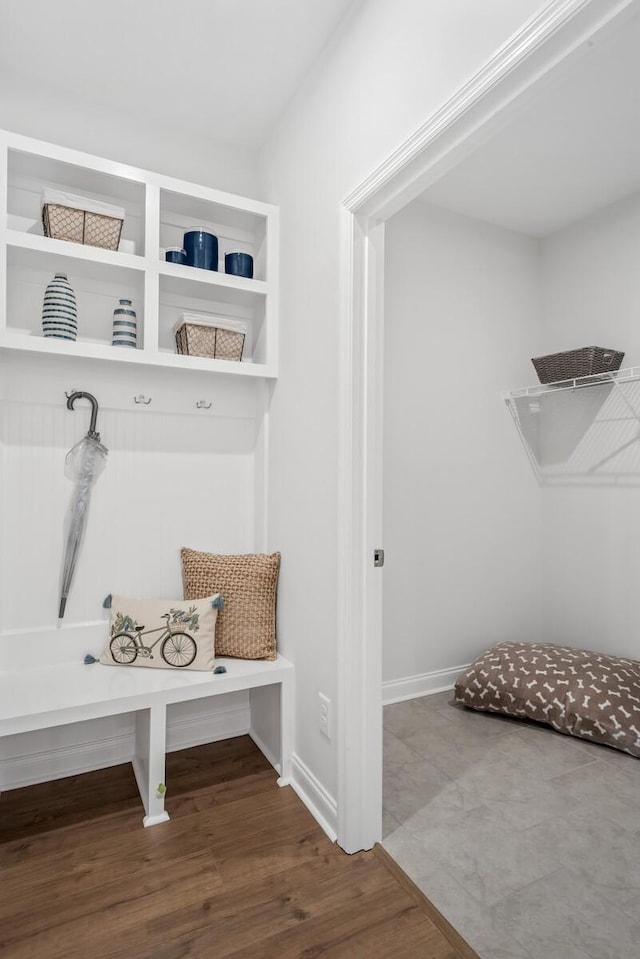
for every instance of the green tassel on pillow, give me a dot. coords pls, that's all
(218, 602)
(106, 604)
(88, 659)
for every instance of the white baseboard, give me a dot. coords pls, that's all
(424, 684)
(57, 763)
(321, 804)
(207, 728)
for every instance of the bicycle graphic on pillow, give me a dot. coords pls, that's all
(178, 647)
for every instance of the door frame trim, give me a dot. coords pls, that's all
(563, 32)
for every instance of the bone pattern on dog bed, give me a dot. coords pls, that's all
(577, 692)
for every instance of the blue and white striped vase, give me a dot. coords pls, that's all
(59, 311)
(125, 327)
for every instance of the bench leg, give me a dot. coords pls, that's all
(286, 730)
(148, 762)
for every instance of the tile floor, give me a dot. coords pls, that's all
(526, 840)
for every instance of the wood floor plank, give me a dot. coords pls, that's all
(104, 820)
(323, 931)
(124, 898)
(241, 870)
(35, 809)
(290, 899)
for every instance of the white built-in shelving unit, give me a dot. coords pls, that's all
(188, 441)
(158, 211)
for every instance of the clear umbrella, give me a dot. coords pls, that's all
(84, 464)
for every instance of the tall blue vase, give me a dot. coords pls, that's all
(201, 248)
(59, 310)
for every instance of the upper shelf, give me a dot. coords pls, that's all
(158, 210)
(618, 376)
(583, 431)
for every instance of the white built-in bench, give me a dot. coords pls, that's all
(50, 694)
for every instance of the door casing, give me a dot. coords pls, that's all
(561, 34)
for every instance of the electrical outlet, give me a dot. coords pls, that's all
(325, 715)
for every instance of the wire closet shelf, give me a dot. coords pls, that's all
(582, 431)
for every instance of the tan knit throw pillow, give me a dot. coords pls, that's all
(246, 626)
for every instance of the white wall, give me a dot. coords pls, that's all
(389, 69)
(81, 125)
(475, 550)
(591, 552)
(461, 504)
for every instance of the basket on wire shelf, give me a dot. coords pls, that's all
(213, 337)
(79, 219)
(571, 364)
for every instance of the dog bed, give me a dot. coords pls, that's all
(577, 692)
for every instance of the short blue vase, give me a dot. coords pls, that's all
(125, 325)
(239, 264)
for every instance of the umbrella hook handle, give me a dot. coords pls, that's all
(79, 394)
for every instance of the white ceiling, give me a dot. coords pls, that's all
(224, 68)
(573, 150)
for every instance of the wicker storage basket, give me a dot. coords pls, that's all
(80, 220)
(587, 361)
(218, 340)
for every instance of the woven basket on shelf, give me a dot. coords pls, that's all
(587, 361)
(194, 339)
(81, 226)
(81, 219)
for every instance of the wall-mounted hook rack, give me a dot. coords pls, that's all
(141, 398)
(202, 405)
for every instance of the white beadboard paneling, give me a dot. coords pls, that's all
(170, 480)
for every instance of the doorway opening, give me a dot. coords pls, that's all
(547, 48)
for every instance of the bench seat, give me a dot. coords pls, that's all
(57, 694)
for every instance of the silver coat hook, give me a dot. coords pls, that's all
(141, 398)
(203, 406)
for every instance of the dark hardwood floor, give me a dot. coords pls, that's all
(241, 870)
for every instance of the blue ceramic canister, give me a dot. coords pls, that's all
(201, 248)
(175, 254)
(239, 264)
(125, 327)
(59, 310)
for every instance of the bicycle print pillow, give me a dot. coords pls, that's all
(162, 633)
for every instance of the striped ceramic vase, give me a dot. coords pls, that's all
(124, 325)
(59, 311)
